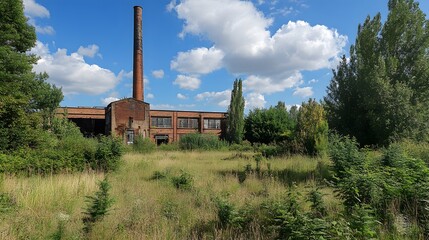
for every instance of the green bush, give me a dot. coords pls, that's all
(184, 181)
(108, 153)
(197, 141)
(143, 145)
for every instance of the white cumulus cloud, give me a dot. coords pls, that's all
(255, 100)
(187, 82)
(219, 98)
(72, 73)
(181, 96)
(34, 10)
(198, 61)
(303, 92)
(239, 32)
(88, 51)
(150, 96)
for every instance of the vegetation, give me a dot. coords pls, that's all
(287, 180)
(27, 101)
(198, 141)
(381, 94)
(235, 118)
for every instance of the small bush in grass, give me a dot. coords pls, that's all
(143, 145)
(184, 181)
(197, 141)
(157, 175)
(98, 206)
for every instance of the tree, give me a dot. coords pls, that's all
(381, 94)
(269, 125)
(235, 118)
(312, 128)
(25, 97)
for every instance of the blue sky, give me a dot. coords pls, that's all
(283, 50)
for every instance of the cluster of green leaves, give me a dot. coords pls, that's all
(303, 130)
(287, 219)
(380, 95)
(198, 141)
(391, 183)
(143, 145)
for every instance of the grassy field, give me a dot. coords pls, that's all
(148, 205)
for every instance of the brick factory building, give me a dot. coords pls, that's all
(131, 117)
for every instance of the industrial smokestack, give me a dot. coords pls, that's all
(138, 55)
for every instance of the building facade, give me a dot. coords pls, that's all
(131, 117)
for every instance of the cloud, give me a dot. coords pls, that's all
(34, 10)
(72, 73)
(260, 84)
(158, 73)
(243, 44)
(198, 61)
(255, 100)
(187, 82)
(108, 100)
(89, 51)
(313, 81)
(303, 92)
(181, 96)
(150, 96)
(219, 98)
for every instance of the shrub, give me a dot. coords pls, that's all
(143, 145)
(108, 153)
(183, 181)
(197, 141)
(98, 206)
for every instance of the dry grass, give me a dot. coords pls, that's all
(152, 209)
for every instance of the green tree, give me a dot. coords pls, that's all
(312, 128)
(381, 94)
(235, 119)
(25, 98)
(269, 125)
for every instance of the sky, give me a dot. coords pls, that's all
(193, 50)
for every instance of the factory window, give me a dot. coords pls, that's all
(130, 136)
(212, 123)
(161, 122)
(187, 123)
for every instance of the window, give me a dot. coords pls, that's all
(187, 123)
(161, 122)
(130, 136)
(212, 123)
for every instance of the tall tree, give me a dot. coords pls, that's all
(25, 97)
(312, 128)
(235, 119)
(381, 94)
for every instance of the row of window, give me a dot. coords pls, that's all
(166, 122)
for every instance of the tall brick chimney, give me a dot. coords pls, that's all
(138, 88)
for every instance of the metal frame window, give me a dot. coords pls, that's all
(187, 123)
(161, 122)
(212, 123)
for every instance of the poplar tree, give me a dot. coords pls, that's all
(235, 118)
(381, 93)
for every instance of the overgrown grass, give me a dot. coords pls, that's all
(149, 204)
